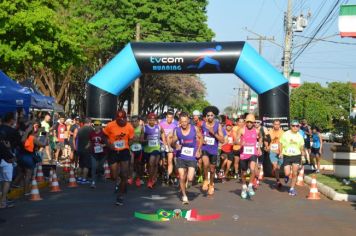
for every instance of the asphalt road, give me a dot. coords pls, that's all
(84, 211)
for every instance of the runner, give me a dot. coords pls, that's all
(152, 133)
(316, 149)
(98, 150)
(120, 135)
(250, 150)
(273, 148)
(60, 133)
(196, 121)
(84, 151)
(72, 140)
(137, 153)
(260, 159)
(188, 141)
(212, 134)
(307, 133)
(168, 125)
(236, 147)
(227, 154)
(46, 129)
(292, 147)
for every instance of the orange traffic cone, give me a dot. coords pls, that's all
(55, 185)
(72, 181)
(260, 176)
(107, 174)
(40, 177)
(66, 165)
(35, 193)
(300, 179)
(314, 193)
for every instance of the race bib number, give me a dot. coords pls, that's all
(119, 144)
(274, 146)
(136, 147)
(292, 151)
(62, 136)
(153, 143)
(229, 140)
(188, 151)
(249, 150)
(209, 140)
(98, 149)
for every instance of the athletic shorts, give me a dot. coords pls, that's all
(307, 144)
(60, 145)
(26, 160)
(230, 155)
(261, 158)
(213, 159)
(237, 152)
(315, 151)
(245, 164)
(275, 159)
(84, 159)
(290, 160)
(118, 156)
(181, 163)
(6, 170)
(147, 155)
(138, 155)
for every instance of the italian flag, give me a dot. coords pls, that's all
(347, 21)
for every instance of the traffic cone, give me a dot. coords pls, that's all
(314, 193)
(72, 181)
(40, 177)
(107, 174)
(260, 176)
(55, 185)
(35, 193)
(300, 179)
(50, 176)
(66, 165)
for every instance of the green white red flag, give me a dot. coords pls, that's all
(347, 21)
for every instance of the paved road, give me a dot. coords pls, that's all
(84, 211)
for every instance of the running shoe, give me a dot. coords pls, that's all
(138, 182)
(93, 184)
(292, 192)
(84, 181)
(150, 184)
(286, 179)
(119, 201)
(250, 190)
(243, 194)
(130, 181)
(317, 171)
(185, 200)
(279, 184)
(200, 179)
(116, 190)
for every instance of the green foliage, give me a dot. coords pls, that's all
(320, 105)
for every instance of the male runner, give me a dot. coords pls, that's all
(188, 141)
(292, 147)
(227, 154)
(316, 149)
(274, 149)
(236, 147)
(152, 133)
(307, 133)
(120, 135)
(250, 150)
(137, 152)
(212, 134)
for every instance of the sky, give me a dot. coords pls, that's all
(321, 61)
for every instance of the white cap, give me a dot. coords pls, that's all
(68, 121)
(196, 113)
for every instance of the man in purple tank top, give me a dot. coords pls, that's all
(250, 149)
(212, 135)
(187, 140)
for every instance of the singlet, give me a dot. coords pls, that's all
(249, 138)
(305, 129)
(188, 142)
(316, 140)
(227, 147)
(275, 138)
(136, 146)
(168, 128)
(97, 140)
(291, 142)
(61, 132)
(211, 143)
(152, 135)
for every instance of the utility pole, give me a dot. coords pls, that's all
(137, 81)
(288, 23)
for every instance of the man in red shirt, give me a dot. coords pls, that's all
(60, 132)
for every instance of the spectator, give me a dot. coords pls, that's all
(60, 134)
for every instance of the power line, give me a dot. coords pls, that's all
(328, 41)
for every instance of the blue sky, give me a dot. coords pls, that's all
(321, 62)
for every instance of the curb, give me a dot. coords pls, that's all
(19, 192)
(331, 193)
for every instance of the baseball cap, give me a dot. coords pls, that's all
(228, 123)
(151, 116)
(97, 123)
(196, 113)
(68, 121)
(120, 115)
(294, 122)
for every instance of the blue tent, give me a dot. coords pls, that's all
(12, 95)
(38, 100)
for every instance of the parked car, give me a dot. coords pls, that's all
(327, 136)
(337, 137)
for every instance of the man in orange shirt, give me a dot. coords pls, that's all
(120, 134)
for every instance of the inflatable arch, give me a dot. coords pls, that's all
(193, 58)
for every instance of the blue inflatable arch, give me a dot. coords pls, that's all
(200, 58)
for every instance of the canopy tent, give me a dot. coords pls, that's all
(12, 95)
(38, 101)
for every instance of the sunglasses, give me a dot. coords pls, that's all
(295, 126)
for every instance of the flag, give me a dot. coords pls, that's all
(347, 21)
(294, 79)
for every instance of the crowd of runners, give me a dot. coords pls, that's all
(177, 149)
